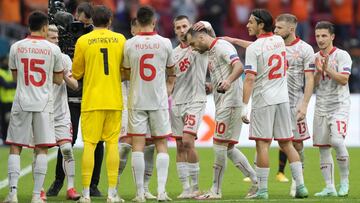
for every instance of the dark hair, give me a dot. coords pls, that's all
(181, 17)
(287, 17)
(102, 16)
(145, 15)
(86, 8)
(37, 20)
(133, 22)
(264, 16)
(325, 25)
(193, 32)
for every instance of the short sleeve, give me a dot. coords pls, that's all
(67, 63)
(344, 63)
(126, 62)
(58, 60)
(12, 59)
(229, 54)
(250, 60)
(170, 60)
(309, 59)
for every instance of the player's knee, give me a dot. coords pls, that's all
(298, 146)
(336, 141)
(188, 144)
(66, 151)
(124, 149)
(285, 145)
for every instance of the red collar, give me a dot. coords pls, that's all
(213, 43)
(35, 37)
(268, 34)
(332, 51)
(294, 42)
(183, 46)
(147, 33)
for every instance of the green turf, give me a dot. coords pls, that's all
(233, 188)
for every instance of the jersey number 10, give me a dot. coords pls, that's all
(33, 64)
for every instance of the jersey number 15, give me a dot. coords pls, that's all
(31, 66)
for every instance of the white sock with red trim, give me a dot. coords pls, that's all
(327, 166)
(219, 167)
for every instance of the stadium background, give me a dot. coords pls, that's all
(228, 17)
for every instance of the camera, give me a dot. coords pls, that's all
(220, 90)
(69, 30)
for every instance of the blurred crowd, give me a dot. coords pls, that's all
(228, 17)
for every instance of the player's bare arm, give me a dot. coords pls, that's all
(14, 74)
(125, 74)
(70, 81)
(170, 81)
(58, 78)
(309, 88)
(235, 74)
(208, 87)
(247, 91)
(240, 42)
(204, 24)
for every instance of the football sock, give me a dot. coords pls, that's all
(162, 166)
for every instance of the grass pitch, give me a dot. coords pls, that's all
(233, 188)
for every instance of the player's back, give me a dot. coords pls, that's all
(35, 59)
(266, 58)
(190, 69)
(148, 55)
(102, 51)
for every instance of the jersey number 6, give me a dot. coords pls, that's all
(147, 66)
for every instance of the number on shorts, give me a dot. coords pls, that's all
(190, 120)
(29, 78)
(220, 127)
(341, 126)
(148, 66)
(277, 61)
(104, 51)
(184, 64)
(301, 127)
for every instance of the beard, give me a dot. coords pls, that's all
(285, 37)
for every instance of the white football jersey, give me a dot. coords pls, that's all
(222, 55)
(330, 95)
(266, 59)
(61, 106)
(300, 58)
(190, 70)
(35, 59)
(148, 55)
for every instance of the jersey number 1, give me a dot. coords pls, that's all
(33, 64)
(104, 51)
